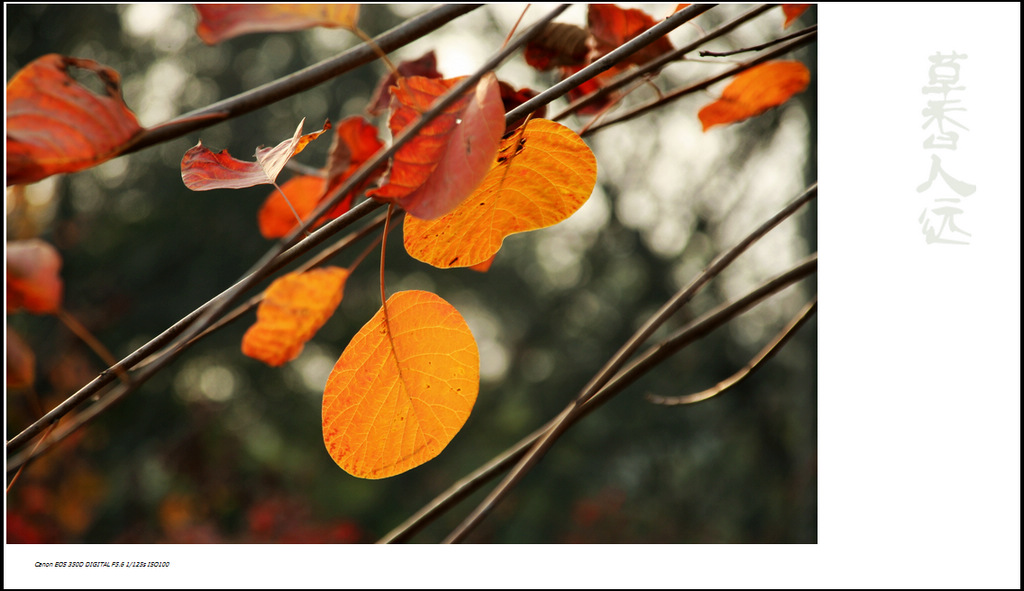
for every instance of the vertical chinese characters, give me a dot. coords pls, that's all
(938, 219)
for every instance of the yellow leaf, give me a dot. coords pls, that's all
(402, 388)
(541, 177)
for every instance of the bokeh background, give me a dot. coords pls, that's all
(218, 448)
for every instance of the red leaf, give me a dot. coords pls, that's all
(593, 85)
(203, 170)
(218, 22)
(436, 170)
(425, 66)
(33, 281)
(355, 142)
(56, 125)
(612, 26)
(793, 12)
(512, 98)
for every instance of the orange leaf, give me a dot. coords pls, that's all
(294, 307)
(203, 170)
(793, 12)
(56, 125)
(440, 167)
(276, 218)
(755, 91)
(541, 177)
(218, 22)
(402, 388)
(612, 26)
(33, 279)
(484, 266)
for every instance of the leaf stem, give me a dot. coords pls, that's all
(380, 53)
(383, 250)
(298, 218)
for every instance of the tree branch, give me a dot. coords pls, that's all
(672, 96)
(656, 64)
(302, 80)
(620, 53)
(644, 363)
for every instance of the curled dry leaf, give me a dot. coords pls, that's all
(294, 307)
(33, 277)
(355, 142)
(204, 170)
(57, 125)
(403, 387)
(435, 171)
(540, 177)
(755, 91)
(218, 22)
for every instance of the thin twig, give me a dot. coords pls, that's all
(758, 361)
(800, 33)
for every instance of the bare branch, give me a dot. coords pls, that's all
(758, 361)
(618, 360)
(644, 363)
